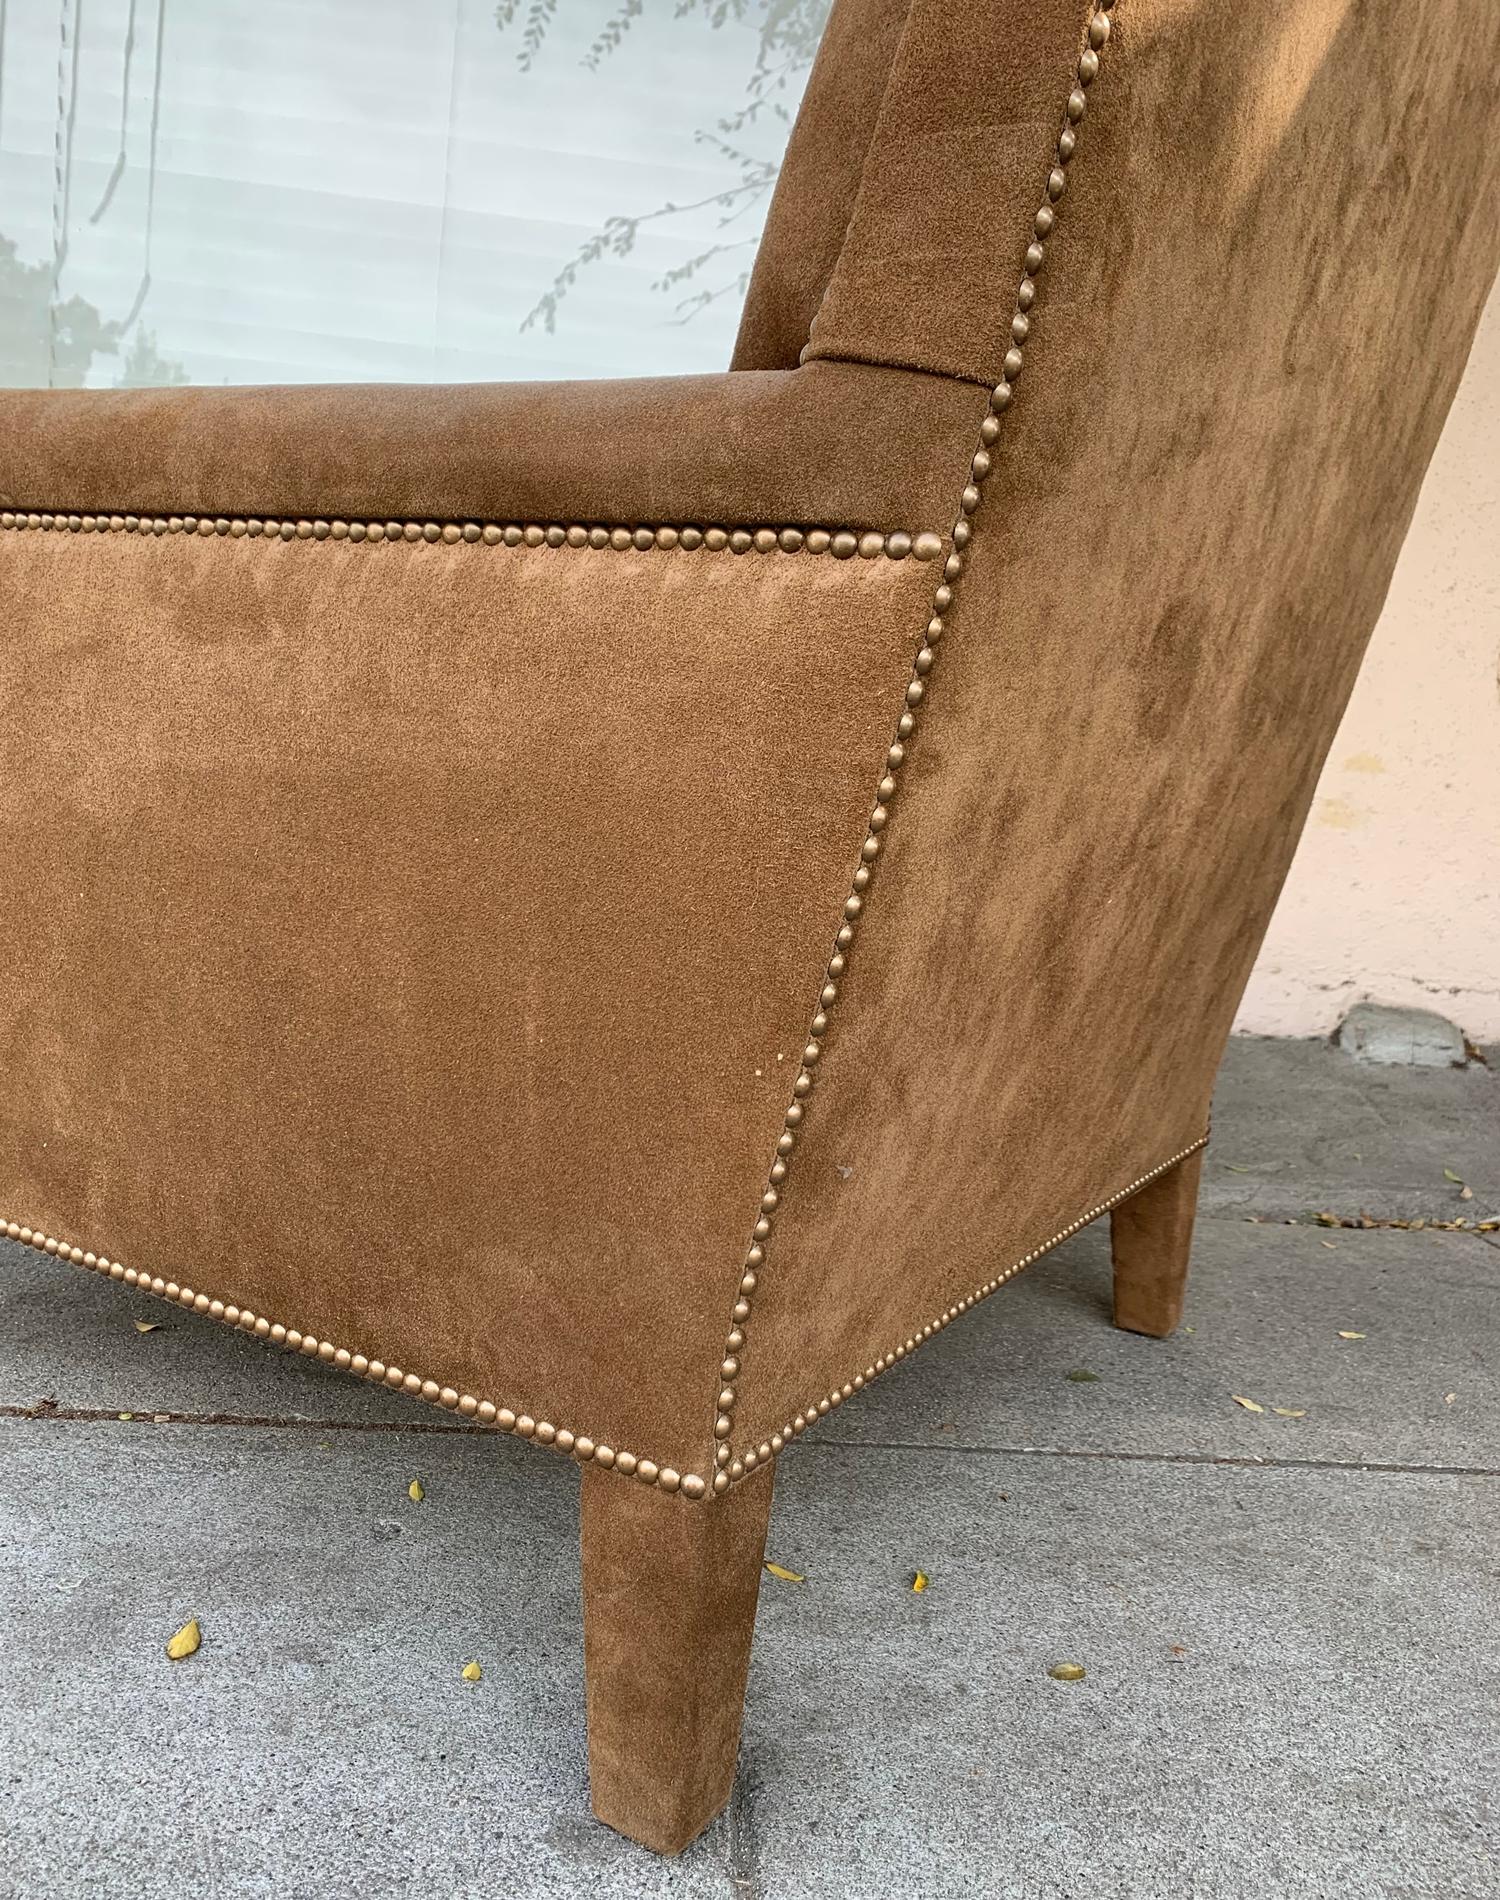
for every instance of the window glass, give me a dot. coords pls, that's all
(412, 190)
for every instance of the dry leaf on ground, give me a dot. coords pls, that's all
(919, 1581)
(1351, 1335)
(785, 1575)
(1287, 1411)
(1249, 1404)
(1066, 1672)
(146, 1325)
(185, 1642)
(1449, 1175)
(471, 1672)
(415, 1492)
(1080, 1375)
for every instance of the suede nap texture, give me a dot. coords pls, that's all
(964, 138)
(1150, 1239)
(413, 943)
(1278, 234)
(668, 1613)
(844, 445)
(818, 184)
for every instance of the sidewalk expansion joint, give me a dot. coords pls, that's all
(49, 1409)
(1245, 1461)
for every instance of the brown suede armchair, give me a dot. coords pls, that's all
(623, 909)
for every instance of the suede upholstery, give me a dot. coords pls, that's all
(1255, 309)
(838, 445)
(416, 944)
(362, 963)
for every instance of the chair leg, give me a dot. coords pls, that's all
(1151, 1236)
(669, 1590)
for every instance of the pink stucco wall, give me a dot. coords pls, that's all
(1395, 892)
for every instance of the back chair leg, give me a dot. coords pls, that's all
(1151, 1236)
(669, 1590)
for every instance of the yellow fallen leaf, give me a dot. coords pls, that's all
(1351, 1335)
(1249, 1404)
(786, 1576)
(185, 1642)
(1331, 1245)
(920, 1581)
(1066, 1672)
(471, 1672)
(1449, 1175)
(124, 1417)
(146, 1325)
(1287, 1411)
(415, 1492)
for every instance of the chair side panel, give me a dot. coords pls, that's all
(411, 944)
(1276, 242)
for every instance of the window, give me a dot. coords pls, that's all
(411, 190)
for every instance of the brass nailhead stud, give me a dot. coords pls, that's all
(926, 546)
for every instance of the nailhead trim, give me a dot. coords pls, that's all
(842, 543)
(731, 1465)
(734, 1467)
(573, 1444)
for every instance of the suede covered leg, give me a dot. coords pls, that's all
(669, 1591)
(1151, 1236)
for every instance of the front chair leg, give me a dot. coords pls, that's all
(669, 1590)
(1151, 1236)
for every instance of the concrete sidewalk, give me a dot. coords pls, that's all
(1288, 1623)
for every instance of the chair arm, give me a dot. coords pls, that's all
(836, 445)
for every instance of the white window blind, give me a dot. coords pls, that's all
(413, 190)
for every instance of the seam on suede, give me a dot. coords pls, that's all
(841, 543)
(973, 379)
(484, 1411)
(731, 1465)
